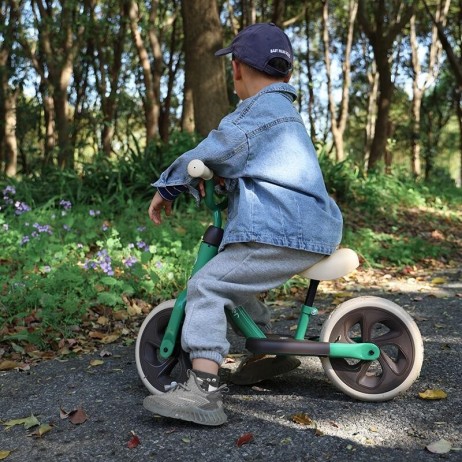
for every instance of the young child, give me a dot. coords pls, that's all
(280, 219)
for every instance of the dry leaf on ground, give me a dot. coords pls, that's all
(244, 439)
(433, 394)
(439, 447)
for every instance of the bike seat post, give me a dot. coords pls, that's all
(307, 310)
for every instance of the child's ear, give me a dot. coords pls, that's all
(237, 70)
(287, 78)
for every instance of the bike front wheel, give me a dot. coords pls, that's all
(379, 321)
(159, 374)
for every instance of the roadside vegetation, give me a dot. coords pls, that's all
(79, 253)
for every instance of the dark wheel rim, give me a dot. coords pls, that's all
(160, 372)
(390, 334)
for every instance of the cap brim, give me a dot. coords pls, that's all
(224, 51)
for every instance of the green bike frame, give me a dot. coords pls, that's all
(242, 322)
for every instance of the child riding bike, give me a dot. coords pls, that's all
(280, 218)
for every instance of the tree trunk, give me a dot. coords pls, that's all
(419, 87)
(9, 138)
(382, 128)
(279, 7)
(311, 97)
(8, 95)
(373, 78)
(187, 114)
(459, 117)
(108, 43)
(338, 122)
(382, 22)
(203, 36)
(151, 106)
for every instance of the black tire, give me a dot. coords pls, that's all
(380, 321)
(159, 374)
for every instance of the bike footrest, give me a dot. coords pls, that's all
(287, 346)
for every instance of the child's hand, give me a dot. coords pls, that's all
(157, 204)
(218, 180)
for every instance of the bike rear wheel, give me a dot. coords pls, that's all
(380, 321)
(159, 374)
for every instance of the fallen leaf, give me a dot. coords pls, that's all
(110, 338)
(96, 334)
(433, 394)
(96, 362)
(8, 365)
(244, 439)
(28, 422)
(287, 440)
(77, 416)
(103, 321)
(302, 419)
(105, 353)
(134, 441)
(186, 440)
(437, 281)
(439, 447)
(4, 454)
(42, 430)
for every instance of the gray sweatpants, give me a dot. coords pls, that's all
(235, 277)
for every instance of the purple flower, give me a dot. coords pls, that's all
(89, 264)
(140, 229)
(25, 240)
(105, 227)
(130, 261)
(66, 205)
(9, 190)
(94, 213)
(66, 227)
(142, 246)
(21, 207)
(42, 228)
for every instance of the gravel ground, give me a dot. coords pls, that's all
(111, 395)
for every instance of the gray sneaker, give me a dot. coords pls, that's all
(190, 402)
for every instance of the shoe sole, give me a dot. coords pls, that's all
(198, 416)
(264, 369)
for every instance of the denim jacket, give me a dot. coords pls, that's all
(276, 191)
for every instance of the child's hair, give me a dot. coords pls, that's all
(279, 64)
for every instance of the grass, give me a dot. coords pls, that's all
(71, 250)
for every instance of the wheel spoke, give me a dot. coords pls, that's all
(378, 321)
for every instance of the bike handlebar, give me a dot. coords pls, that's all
(197, 169)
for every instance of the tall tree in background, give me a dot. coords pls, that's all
(206, 73)
(60, 26)
(455, 63)
(9, 15)
(382, 21)
(420, 82)
(107, 43)
(151, 64)
(339, 117)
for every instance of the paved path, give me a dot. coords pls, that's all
(111, 395)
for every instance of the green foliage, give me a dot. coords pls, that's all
(379, 248)
(59, 260)
(78, 242)
(115, 181)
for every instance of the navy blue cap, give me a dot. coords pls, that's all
(258, 44)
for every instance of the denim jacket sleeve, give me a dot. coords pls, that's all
(226, 142)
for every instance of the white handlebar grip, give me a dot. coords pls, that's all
(197, 169)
